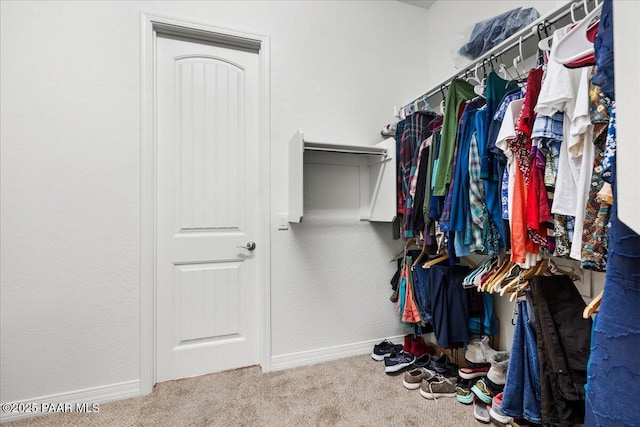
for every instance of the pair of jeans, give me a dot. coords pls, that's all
(563, 341)
(522, 397)
(614, 373)
(441, 297)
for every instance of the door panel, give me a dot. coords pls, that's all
(207, 188)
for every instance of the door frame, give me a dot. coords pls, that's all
(151, 27)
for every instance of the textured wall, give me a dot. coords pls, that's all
(71, 177)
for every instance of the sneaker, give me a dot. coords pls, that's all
(384, 349)
(463, 391)
(422, 361)
(398, 361)
(483, 391)
(499, 364)
(478, 351)
(471, 373)
(443, 365)
(481, 411)
(414, 377)
(438, 386)
(497, 416)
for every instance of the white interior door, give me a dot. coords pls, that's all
(207, 208)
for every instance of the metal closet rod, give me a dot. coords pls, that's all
(513, 42)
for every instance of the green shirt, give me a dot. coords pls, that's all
(459, 91)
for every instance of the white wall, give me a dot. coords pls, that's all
(70, 267)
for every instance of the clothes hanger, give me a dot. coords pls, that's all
(475, 76)
(575, 45)
(545, 43)
(479, 88)
(555, 269)
(490, 271)
(541, 269)
(444, 96)
(522, 281)
(517, 59)
(419, 258)
(435, 261)
(496, 279)
(469, 262)
(493, 274)
(407, 245)
(593, 306)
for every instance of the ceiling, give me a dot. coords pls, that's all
(425, 4)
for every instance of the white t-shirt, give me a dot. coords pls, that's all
(584, 182)
(567, 90)
(507, 132)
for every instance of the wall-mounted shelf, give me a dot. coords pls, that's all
(377, 182)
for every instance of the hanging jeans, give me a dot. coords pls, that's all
(440, 295)
(563, 339)
(521, 397)
(614, 372)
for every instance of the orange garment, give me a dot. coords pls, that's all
(518, 217)
(521, 243)
(411, 314)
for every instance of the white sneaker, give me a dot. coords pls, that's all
(499, 363)
(478, 351)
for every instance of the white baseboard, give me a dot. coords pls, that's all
(101, 394)
(311, 357)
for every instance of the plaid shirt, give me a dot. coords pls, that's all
(416, 130)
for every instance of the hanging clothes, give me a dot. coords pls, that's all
(563, 339)
(522, 392)
(459, 91)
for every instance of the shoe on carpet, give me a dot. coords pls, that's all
(398, 361)
(481, 411)
(422, 361)
(384, 349)
(415, 345)
(438, 386)
(478, 351)
(471, 373)
(499, 363)
(463, 391)
(485, 390)
(497, 416)
(443, 365)
(414, 377)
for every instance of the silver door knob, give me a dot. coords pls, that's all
(249, 246)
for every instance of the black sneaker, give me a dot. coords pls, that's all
(398, 361)
(443, 365)
(384, 349)
(423, 361)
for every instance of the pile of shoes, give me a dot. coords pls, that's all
(480, 382)
(397, 357)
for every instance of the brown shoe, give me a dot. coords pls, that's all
(413, 378)
(438, 386)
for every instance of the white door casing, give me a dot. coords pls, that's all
(209, 295)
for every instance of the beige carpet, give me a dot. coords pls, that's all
(350, 392)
